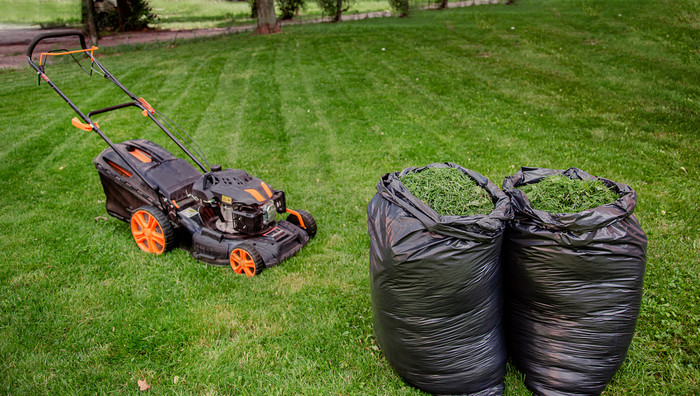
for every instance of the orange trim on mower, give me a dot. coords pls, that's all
(46, 54)
(255, 194)
(141, 155)
(267, 189)
(149, 108)
(147, 232)
(123, 172)
(298, 216)
(242, 262)
(85, 127)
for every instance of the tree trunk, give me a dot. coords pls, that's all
(89, 25)
(253, 9)
(267, 20)
(443, 4)
(124, 12)
(404, 11)
(338, 10)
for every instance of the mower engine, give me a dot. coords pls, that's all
(241, 203)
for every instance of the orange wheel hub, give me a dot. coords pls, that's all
(147, 232)
(242, 262)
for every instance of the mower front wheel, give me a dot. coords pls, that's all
(152, 230)
(303, 220)
(244, 258)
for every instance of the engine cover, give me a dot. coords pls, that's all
(243, 203)
(233, 187)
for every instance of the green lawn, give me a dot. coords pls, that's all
(34, 12)
(322, 111)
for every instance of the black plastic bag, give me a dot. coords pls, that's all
(573, 288)
(436, 289)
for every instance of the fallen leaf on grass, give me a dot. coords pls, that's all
(101, 218)
(143, 385)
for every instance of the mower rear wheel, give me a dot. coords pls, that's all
(309, 223)
(152, 230)
(245, 259)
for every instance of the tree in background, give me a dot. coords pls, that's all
(334, 7)
(289, 8)
(88, 18)
(267, 20)
(253, 9)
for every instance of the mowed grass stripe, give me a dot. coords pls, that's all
(452, 106)
(515, 89)
(263, 135)
(220, 130)
(414, 111)
(589, 116)
(317, 150)
(193, 89)
(303, 145)
(317, 263)
(469, 95)
(191, 94)
(335, 193)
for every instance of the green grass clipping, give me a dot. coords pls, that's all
(559, 194)
(449, 192)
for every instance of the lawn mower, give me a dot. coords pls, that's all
(223, 216)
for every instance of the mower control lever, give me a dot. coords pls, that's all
(85, 127)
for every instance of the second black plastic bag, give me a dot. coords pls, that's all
(573, 287)
(436, 289)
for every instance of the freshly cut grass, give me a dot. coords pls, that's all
(559, 194)
(449, 192)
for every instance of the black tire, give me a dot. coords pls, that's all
(245, 259)
(309, 222)
(152, 237)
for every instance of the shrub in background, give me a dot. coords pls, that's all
(289, 8)
(400, 6)
(139, 16)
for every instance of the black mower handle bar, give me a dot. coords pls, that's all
(106, 109)
(45, 36)
(138, 102)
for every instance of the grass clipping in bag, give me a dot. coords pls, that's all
(449, 192)
(560, 194)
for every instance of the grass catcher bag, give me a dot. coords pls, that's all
(436, 288)
(573, 286)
